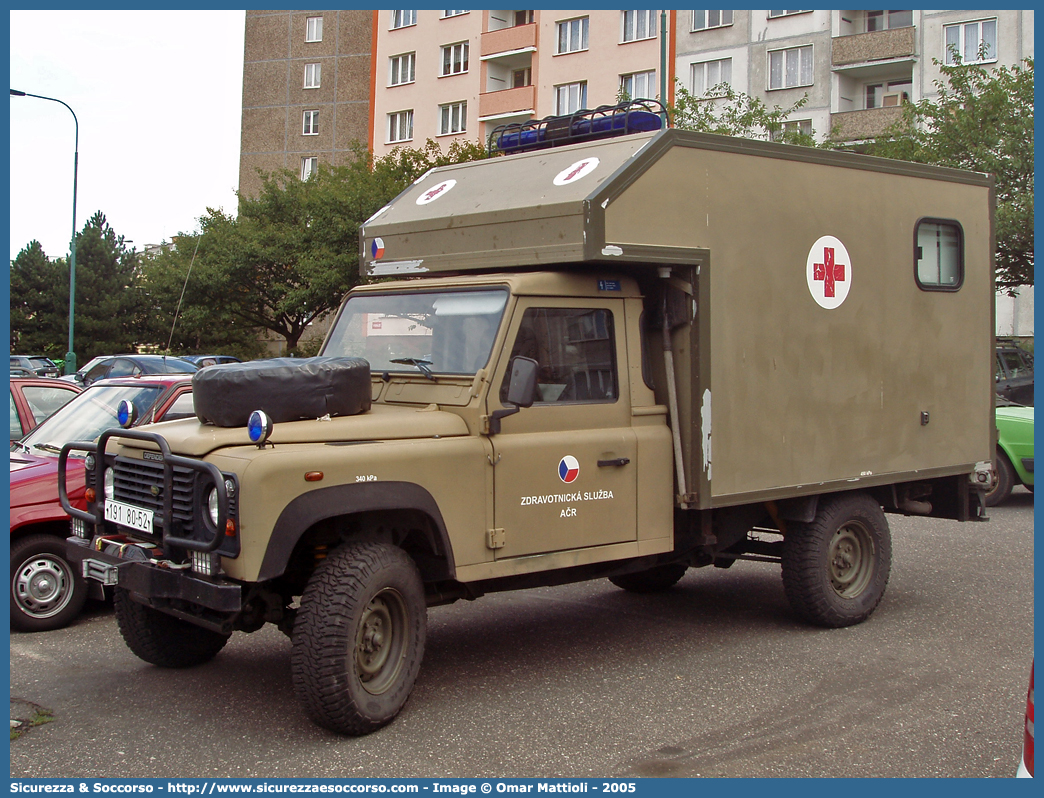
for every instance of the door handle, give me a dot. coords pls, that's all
(619, 461)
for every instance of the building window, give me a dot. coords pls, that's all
(701, 20)
(570, 98)
(887, 20)
(401, 69)
(971, 42)
(886, 95)
(572, 35)
(400, 126)
(310, 124)
(638, 86)
(312, 76)
(523, 18)
(521, 77)
(446, 14)
(790, 67)
(939, 255)
(309, 166)
(802, 126)
(453, 118)
(777, 14)
(403, 19)
(709, 74)
(637, 25)
(314, 29)
(455, 59)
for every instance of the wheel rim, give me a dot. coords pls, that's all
(851, 559)
(381, 641)
(43, 586)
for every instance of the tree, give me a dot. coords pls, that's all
(293, 251)
(725, 111)
(110, 311)
(982, 120)
(39, 303)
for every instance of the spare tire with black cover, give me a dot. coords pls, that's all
(285, 388)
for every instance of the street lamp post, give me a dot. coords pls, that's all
(70, 356)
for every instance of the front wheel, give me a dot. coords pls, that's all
(162, 639)
(359, 637)
(46, 592)
(1003, 481)
(836, 568)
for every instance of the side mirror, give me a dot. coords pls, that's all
(522, 388)
(522, 384)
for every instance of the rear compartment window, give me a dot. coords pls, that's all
(939, 255)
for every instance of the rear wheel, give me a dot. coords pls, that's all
(358, 637)
(46, 592)
(652, 580)
(1003, 480)
(836, 568)
(162, 639)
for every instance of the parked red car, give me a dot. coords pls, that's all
(35, 398)
(45, 591)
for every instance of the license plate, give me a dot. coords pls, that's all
(128, 515)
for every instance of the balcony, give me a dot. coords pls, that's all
(881, 45)
(508, 40)
(506, 102)
(861, 125)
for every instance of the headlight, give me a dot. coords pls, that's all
(212, 506)
(110, 483)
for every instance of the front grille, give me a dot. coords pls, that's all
(140, 483)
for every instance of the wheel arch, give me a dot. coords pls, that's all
(361, 501)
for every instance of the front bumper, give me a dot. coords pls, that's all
(178, 591)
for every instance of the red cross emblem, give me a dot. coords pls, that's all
(828, 271)
(435, 192)
(579, 168)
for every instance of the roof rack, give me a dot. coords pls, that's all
(605, 121)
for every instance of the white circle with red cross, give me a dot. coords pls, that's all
(436, 191)
(829, 272)
(578, 170)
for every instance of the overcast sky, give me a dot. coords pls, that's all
(158, 95)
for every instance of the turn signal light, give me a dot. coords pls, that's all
(90, 495)
(314, 476)
(230, 528)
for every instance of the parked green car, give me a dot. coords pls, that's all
(1014, 463)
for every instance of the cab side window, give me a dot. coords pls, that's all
(576, 353)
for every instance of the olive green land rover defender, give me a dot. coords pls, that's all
(617, 357)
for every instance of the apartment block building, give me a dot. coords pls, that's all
(856, 67)
(306, 90)
(452, 75)
(314, 81)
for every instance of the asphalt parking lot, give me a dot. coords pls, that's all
(714, 678)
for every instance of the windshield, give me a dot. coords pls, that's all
(433, 332)
(87, 416)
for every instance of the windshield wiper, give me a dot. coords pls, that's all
(46, 447)
(418, 362)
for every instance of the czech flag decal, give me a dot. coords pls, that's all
(377, 248)
(568, 469)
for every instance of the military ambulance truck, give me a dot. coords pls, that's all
(614, 359)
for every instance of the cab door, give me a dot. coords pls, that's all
(565, 468)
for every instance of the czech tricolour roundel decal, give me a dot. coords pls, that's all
(828, 272)
(568, 469)
(377, 248)
(436, 191)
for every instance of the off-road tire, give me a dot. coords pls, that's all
(46, 591)
(1003, 480)
(162, 639)
(358, 637)
(653, 580)
(836, 568)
